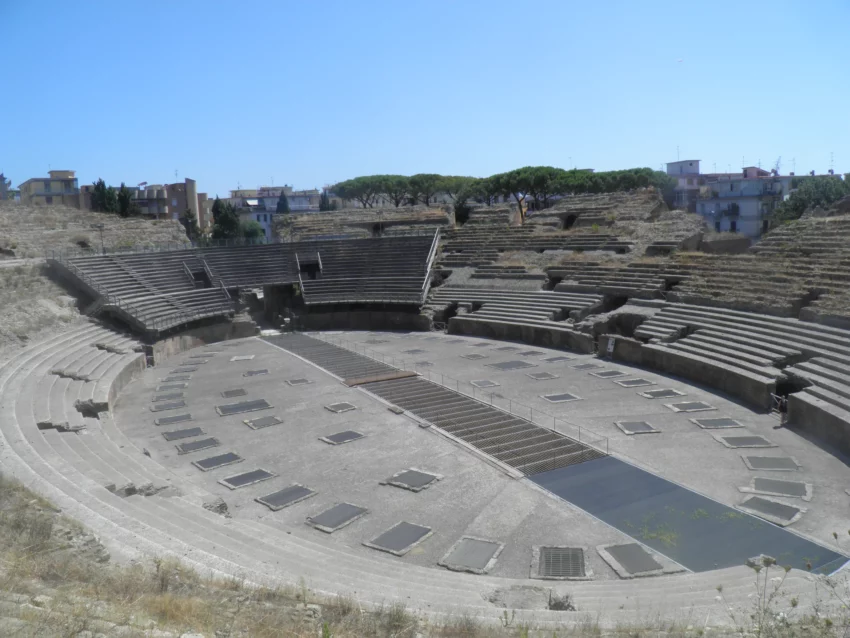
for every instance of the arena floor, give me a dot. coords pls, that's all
(473, 497)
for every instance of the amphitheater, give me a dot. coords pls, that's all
(584, 405)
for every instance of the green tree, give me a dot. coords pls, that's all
(225, 220)
(364, 190)
(251, 230)
(514, 184)
(190, 223)
(395, 188)
(423, 186)
(282, 203)
(126, 205)
(820, 190)
(324, 201)
(103, 198)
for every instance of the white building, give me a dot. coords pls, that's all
(742, 202)
(688, 184)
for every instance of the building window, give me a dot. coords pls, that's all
(717, 226)
(174, 201)
(48, 200)
(690, 182)
(733, 226)
(731, 186)
(46, 187)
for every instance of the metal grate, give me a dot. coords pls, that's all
(173, 405)
(717, 424)
(342, 437)
(529, 353)
(690, 406)
(184, 369)
(213, 462)
(242, 357)
(414, 351)
(510, 365)
(171, 386)
(484, 383)
(287, 496)
(560, 398)
(558, 359)
(195, 446)
(236, 392)
(608, 374)
(169, 396)
(176, 435)
(246, 478)
(474, 356)
(255, 373)
(561, 562)
(587, 366)
(634, 383)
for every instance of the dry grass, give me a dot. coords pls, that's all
(50, 568)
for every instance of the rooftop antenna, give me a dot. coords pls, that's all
(677, 153)
(759, 164)
(778, 164)
(794, 164)
(831, 160)
(175, 174)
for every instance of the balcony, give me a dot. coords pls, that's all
(732, 210)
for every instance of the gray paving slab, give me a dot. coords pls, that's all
(287, 496)
(170, 420)
(633, 383)
(197, 446)
(560, 397)
(690, 406)
(473, 555)
(337, 517)
(338, 438)
(342, 406)
(771, 463)
(400, 538)
(167, 405)
(262, 422)
(255, 373)
(413, 479)
(633, 559)
(229, 409)
(774, 511)
(636, 427)
(176, 435)
(662, 393)
(503, 366)
(235, 392)
(215, 462)
(244, 479)
(719, 423)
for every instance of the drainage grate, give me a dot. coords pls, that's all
(664, 393)
(206, 355)
(214, 462)
(636, 427)
(744, 441)
(291, 495)
(242, 357)
(633, 558)
(195, 446)
(561, 397)
(400, 538)
(236, 392)
(558, 358)
(529, 353)
(336, 517)
(176, 435)
(482, 344)
(197, 362)
(510, 365)
(412, 479)
(608, 374)
(561, 562)
(473, 356)
(474, 555)
(242, 406)
(171, 386)
(634, 383)
(177, 377)
(414, 351)
(484, 383)
(717, 424)
(246, 478)
(771, 510)
(541, 376)
(170, 396)
(587, 366)
(771, 463)
(173, 405)
(456, 341)
(184, 369)
(299, 381)
(262, 422)
(340, 407)
(342, 437)
(423, 364)
(690, 406)
(375, 342)
(169, 420)
(793, 489)
(507, 349)
(255, 373)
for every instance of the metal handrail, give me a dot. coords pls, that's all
(432, 254)
(578, 433)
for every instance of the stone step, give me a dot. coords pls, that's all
(721, 349)
(729, 358)
(757, 354)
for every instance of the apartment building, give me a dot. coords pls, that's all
(60, 187)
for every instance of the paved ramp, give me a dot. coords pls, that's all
(697, 532)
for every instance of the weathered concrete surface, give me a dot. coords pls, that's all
(824, 420)
(554, 337)
(195, 337)
(364, 320)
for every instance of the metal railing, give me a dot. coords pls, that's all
(432, 254)
(534, 416)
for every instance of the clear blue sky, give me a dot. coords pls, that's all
(310, 93)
